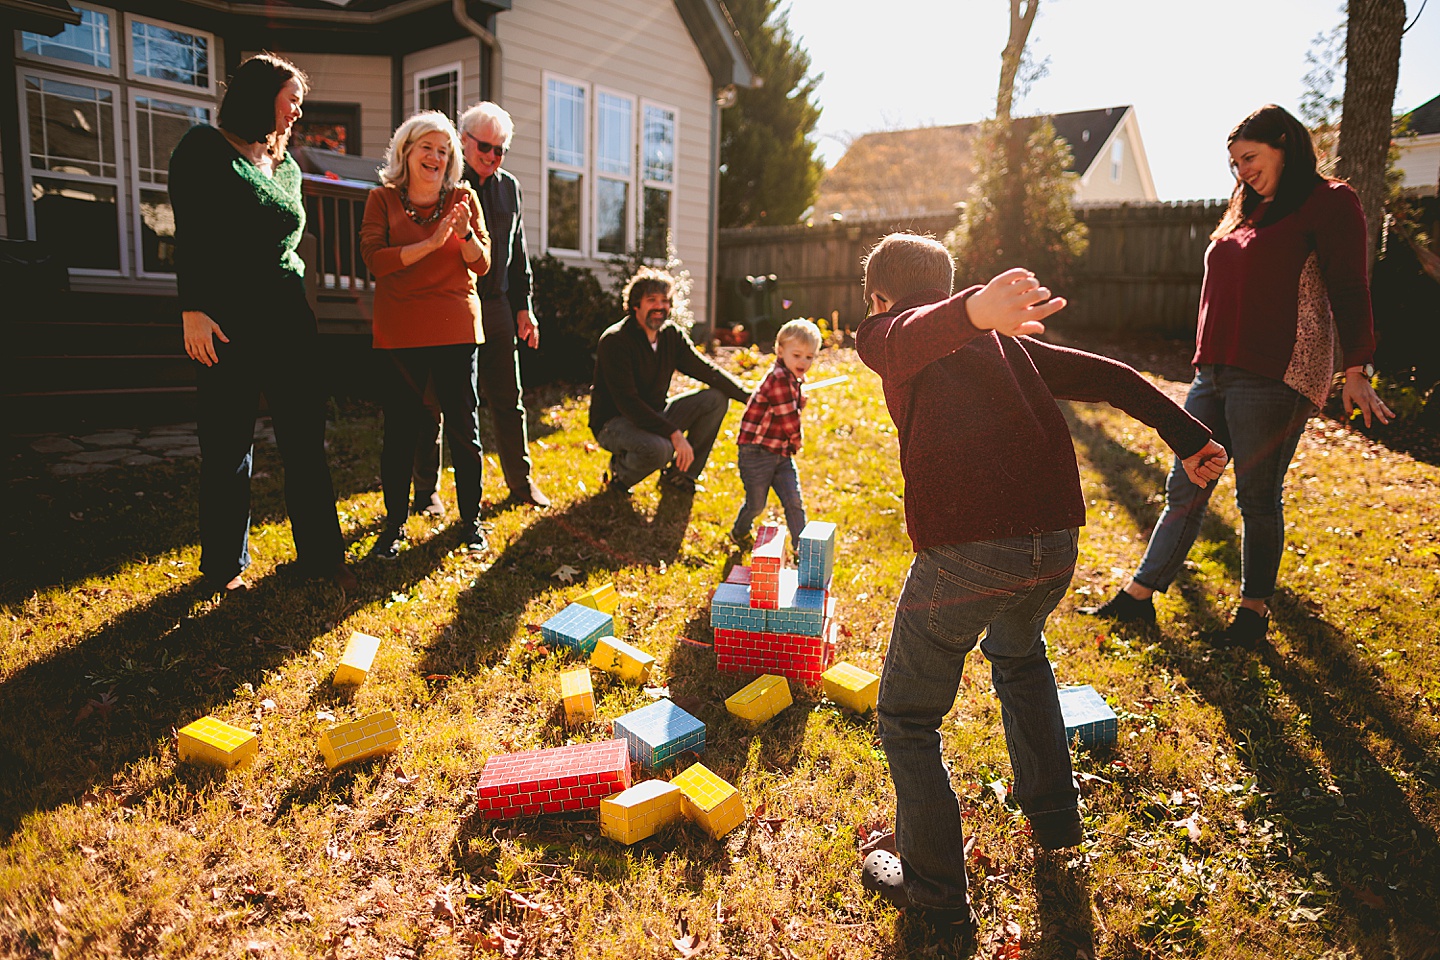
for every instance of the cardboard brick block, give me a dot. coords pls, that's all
(852, 687)
(659, 733)
(577, 695)
(730, 609)
(767, 559)
(355, 664)
(1088, 717)
(212, 741)
(578, 627)
(634, 814)
(602, 598)
(709, 801)
(549, 781)
(360, 739)
(798, 610)
(799, 657)
(738, 574)
(627, 662)
(815, 554)
(761, 699)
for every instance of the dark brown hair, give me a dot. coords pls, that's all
(1275, 127)
(248, 109)
(647, 280)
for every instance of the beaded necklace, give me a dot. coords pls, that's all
(413, 215)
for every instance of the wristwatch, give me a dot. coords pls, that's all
(1368, 370)
(468, 237)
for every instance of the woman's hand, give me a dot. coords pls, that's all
(1359, 394)
(200, 334)
(1205, 467)
(460, 218)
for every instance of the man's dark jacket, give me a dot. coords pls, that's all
(632, 378)
(509, 274)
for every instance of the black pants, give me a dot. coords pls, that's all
(451, 371)
(229, 401)
(498, 377)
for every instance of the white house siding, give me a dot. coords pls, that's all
(1420, 161)
(1133, 185)
(465, 52)
(634, 47)
(350, 78)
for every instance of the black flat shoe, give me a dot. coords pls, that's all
(1124, 608)
(431, 506)
(1057, 829)
(1247, 630)
(388, 544)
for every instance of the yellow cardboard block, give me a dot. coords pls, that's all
(360, 739)
(761, 699)
(851, 687)
(602, 598)
(208, 740)
(630, 664)
(355, 665)
(634, 814)
(577, 695)
(709, 801)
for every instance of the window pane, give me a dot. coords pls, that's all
(612, 134)
(80, 219)
(87, 42)
(159, 125)
(563, 217)
(565, 133)
(162, 53)
(157, 232)
(659, 145)
(657, 223)
(72, 127)
(612, 211)
(440, 92)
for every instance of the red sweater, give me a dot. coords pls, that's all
(984, 448)
(431, 302)
(1269, 295)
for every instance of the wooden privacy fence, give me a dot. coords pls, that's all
(1141, 272)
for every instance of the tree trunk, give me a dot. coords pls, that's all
(1009, 207)
(1010, 57)
(1372, 67)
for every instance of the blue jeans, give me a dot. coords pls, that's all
(637, 453)
(1005, 588)
(760, 471)
(1258, 421)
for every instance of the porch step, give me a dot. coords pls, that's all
(36, 338)
(53, 375)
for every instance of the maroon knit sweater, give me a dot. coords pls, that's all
(1269, 294)
(983, 447)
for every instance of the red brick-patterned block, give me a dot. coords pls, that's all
(739, 574)
(794, 656)
(767, 559)
(532, 782)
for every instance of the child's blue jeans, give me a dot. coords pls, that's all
(1005, 589)
(760, 471)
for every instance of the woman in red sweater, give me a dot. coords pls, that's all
(1285, 301)
(424, 239)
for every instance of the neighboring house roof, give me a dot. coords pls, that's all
(1424, 119)
(928, 170)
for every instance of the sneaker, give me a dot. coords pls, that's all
(1057, 829)
(476, 542)
(883, 873)
(611, 484)
(678, 480)
(1124, 608)
(531, 495)
(388, 544)
(1246, 630)
(431, 506)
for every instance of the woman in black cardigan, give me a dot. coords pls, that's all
(239, 218)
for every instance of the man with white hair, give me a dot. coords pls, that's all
(485, 134)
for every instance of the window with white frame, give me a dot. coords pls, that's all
(1117, 159)
(73, 170)
(157, 123)
(614, 172)
(566, 155)
(170, 55)
(439, 89)
(86, 44)
(657, 161)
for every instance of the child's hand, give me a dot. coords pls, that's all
(1013, 304)
(1206, 466)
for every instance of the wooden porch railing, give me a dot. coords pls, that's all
(341, 289)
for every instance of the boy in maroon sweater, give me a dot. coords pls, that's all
(993, 507)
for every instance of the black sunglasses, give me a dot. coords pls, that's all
(484, 147)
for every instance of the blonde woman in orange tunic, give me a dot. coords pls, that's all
(424, 239)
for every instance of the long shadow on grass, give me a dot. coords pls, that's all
(1374, 845)
(74, 720)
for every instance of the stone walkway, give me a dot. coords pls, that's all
(69, 456)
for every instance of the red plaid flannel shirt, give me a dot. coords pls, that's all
(772, 417)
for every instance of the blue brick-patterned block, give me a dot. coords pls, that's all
(815, 552)
(801, 611)
(578, 627)
(730, 609)
(659, 733)
(1089, 717)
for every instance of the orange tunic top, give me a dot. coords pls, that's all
(432, 302)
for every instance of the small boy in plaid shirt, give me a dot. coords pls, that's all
(770, 432)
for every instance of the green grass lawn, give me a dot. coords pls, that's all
(1277, 804)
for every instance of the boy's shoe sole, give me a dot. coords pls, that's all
(883, 873)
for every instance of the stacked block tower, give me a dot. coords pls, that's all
(772, 619)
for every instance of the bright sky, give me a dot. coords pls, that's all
(911, 63)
